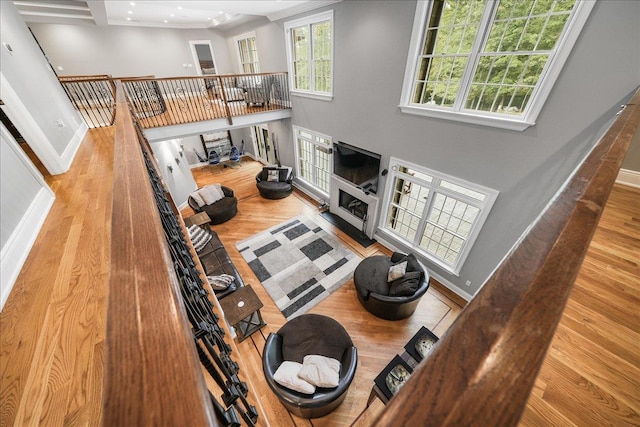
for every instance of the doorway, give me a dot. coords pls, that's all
(263, 144)
(203, 56)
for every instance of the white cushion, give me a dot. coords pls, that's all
(198, 198)
(287, 376)
(320, 371)
(211, 194)
(396, 271)
(273, 175)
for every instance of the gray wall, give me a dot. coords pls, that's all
(126, 51)
(527, 167)
(180, 180)
(29, 75)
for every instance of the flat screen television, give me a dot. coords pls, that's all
(356, 165)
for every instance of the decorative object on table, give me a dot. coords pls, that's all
(310, 335)
(396, 299)
(393, 376)
(421, 344)
(216, 200)
(298, 263)
(275, 182)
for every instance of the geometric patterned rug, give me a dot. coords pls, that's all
(298, 263)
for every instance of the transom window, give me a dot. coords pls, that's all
(313, 158)
(489, 61)
(439, 215)
(248, 53)
(310, 55)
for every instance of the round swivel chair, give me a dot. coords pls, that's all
(370, 279)
(305, 335)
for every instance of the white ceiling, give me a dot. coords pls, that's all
(168, 14)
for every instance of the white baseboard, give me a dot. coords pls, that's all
(628, 177)
(15, 251)
(73, 146)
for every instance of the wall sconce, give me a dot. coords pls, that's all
(181, 152)
(177, 160)
(170, 167)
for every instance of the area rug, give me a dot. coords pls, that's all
(298, 263)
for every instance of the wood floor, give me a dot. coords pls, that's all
(52, 327)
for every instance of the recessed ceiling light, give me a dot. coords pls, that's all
(129, 12)
(128, 19)
(165, 21)
(179, 7)
(132, 3)
(172, 15)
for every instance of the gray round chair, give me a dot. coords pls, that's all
(305, 335)
(370, 279)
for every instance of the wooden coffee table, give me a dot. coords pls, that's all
(242, 311)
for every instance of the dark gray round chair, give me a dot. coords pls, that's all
(222, 210)
(370, 279)
(275, 189)
(305, 335)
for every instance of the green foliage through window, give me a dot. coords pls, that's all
(487, 56)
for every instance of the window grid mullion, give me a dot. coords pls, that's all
(428, 204)
(474, 57)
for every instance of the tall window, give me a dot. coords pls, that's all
(439, 215)
(310, 54)
(489, 61)
(248, 53)
(313, 158)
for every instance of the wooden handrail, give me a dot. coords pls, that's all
(482, 370)
(152, 371)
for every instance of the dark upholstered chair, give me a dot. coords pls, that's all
(306, 335)
(370, 278)
(275, 189)
(222, 210)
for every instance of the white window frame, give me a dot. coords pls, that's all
(434, 188)
(236, 40)
(539, 96)
(314, 184)
(302, 22)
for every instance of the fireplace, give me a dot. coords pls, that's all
(357, 207)
(354, 205)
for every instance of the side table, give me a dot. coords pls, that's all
(197, 219)
(242, 311)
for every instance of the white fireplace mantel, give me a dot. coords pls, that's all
(338, 184)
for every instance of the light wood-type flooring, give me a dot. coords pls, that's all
(52, 328)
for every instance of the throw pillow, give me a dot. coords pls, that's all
(287, 376)
(405, 286)
(211, 194)
(199, 237)
(198, 198)
(273, 176)
(396, 271)
(320, 371)
(413, 264)
(221, 282)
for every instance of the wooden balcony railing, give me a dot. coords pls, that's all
(172, 101)
(93, 97)
(483, 368)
